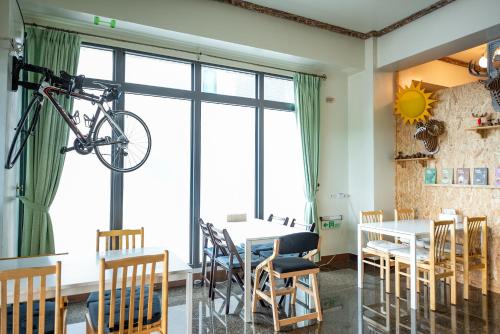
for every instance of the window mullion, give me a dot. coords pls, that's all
(259, 147)
(116, 207)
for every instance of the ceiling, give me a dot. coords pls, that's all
(471, 54)
(359, 15)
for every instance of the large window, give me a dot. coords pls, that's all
(227, 160)
(283, 168)
(81, 205)
(223, 141)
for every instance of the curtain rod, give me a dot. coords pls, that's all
(322, 76)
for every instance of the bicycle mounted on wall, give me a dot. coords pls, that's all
(120, 139)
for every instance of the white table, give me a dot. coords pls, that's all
(408, 230)
(255, 231)
(80, 272)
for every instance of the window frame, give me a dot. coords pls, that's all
(196, 96)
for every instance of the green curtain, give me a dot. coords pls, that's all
(58, 51)
(307, 110)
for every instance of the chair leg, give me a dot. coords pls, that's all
(228, 291)
(432, 283)
(274, 305)
(396, 278)
(213, 280)
(484, 276)
(294, 294)
(317, 301)
(466, 280)
(387, 275)
(203, 269)
(408, 278)
(255, 288)
(453, 287)
(381, 263)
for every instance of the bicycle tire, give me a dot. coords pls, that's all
(14, 154)
(97, 148)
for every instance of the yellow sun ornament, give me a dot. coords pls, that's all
(413, 104)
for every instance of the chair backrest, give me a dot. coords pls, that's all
(440, 232)
(301, 242)
(475, 234)
(119, 239)
(135, 273)
(36, 291)
(306, 227)
(205, 233)
(376, 216)
(404, 214)
(236, 217)
(224, 245)
(275, 219)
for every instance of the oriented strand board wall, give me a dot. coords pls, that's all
(459, 148)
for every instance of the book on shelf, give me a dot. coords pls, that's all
(481, 176)
(430, 176)
(463, 175)
(447, 176)
(497, 176)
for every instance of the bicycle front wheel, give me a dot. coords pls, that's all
(123, 143)
(24, 128)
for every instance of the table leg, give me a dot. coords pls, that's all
(189, 303)
(413, 273)
(360, 260)
(248, 281)
(360, 311)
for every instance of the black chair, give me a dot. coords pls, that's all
(208, 252)
(228, 257)
(268, 247)
(283, 267)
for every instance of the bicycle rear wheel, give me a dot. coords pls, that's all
(23, 129)
(118, 152)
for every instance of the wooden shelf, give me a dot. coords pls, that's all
(422, 161)
(489, 186)
(482, 130)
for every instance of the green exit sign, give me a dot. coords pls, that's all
(329, 224)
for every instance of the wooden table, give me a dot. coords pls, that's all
(80, 273)
(408, 230)
(252, 232)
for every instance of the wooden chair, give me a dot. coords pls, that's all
(376, 247)
(131, 304)
(37, 312)
(474, 255)
(404, 214)
(282, 267)
(435, 262)
(119, 239)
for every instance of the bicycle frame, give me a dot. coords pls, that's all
(48, 91)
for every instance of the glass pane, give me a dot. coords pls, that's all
(157, 72)
(227, 161)
(278, 89)
(95, 63)
(283, 169)
(81, 205)
(226, 82)
(156, 196)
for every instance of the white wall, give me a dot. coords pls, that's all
(456, 27)
(436, 72)
(333, 163)
(199, 20)
(9, 28)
